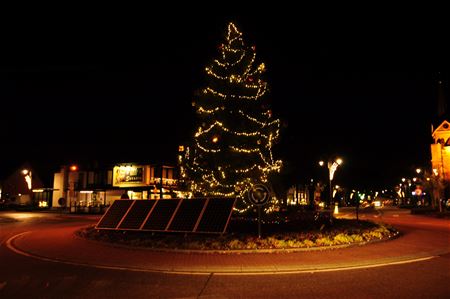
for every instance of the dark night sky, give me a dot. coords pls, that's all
(118, 86)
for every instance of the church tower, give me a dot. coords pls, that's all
(440, 151)
(440, 148)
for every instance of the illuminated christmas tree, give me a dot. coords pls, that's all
(232, 148)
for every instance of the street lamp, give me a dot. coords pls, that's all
(332, 167)
(402, 193)
(27, 176)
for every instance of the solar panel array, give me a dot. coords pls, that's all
(203, 215)
(187, 215)
(137, 214)
(217, 213)
(161, 215)
(115, 214)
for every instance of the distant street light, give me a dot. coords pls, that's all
(332, 167)
(27, 176)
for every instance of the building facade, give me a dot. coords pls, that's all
(92, 189)
(24, 189)
(440, 151)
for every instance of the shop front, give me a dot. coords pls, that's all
(145, 181)
(85, 190)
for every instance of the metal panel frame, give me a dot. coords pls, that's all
(135, 229)
(201, 215)
(229, 217)
(126, 213)
(172, 217)
(226, 224)
(149, 213)
(106, 213)
(107, 210)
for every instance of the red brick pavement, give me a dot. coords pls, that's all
(62, 245)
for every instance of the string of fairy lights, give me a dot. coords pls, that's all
(229, 177)
(262, 90)
(218, 124)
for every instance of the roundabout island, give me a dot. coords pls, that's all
(76, 243)
(43, 253)
(290, 237)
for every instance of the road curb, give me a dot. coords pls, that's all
(280, 270)
(240, 251)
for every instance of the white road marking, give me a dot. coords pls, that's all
(9, 244)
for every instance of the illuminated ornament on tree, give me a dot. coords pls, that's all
(230, 109)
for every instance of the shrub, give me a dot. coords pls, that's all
(342, 239)
(235, 244)
(356, 238)
(324, 241)
(308, 243)
(342, 232)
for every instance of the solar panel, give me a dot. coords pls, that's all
(216, 215)
(203, 215)
(137, 214)
(161, 215)
(114, 214)
(187, 215)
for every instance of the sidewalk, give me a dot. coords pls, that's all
(61, 245)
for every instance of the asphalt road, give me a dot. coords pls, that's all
(26, 277)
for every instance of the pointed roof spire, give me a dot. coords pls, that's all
(442, 112)
(442, 105)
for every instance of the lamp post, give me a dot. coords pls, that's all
(332, 167)
(420, 185)
(403, 192)
(27, 175)
(28, 178)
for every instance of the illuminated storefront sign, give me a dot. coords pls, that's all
(128, 176)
